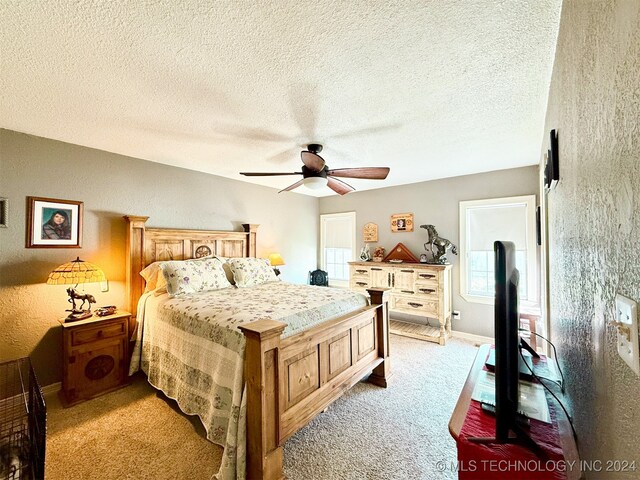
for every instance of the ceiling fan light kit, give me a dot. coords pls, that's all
(316, 174)
(315, 183)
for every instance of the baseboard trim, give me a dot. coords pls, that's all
(52, 389)
(479, 339)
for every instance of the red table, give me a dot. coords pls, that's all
(508, 461)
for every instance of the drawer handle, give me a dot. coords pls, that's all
(427, 275)
(406, 271)
(362, 284)
(407, 291)
(415, 305)
(427, 290)
(376, 269)
(100, 334)
(361, 271)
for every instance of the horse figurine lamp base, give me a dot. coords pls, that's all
(79, 313)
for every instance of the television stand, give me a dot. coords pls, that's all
(478, 453)
(520, 437)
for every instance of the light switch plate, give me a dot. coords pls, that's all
(627, 341)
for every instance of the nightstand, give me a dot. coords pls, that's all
(95, 356)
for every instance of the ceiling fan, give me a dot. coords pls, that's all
(316, 174)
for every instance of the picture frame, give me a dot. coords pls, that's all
(402, 222)
(370, 232)
(552, 162)
(4, 212)
(54, 223)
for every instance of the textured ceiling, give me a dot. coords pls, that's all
(432, 89)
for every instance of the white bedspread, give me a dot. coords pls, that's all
(191, 349)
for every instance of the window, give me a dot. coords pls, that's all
(337, 246)
(481, 223)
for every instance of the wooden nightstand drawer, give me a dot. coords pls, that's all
(88, 335)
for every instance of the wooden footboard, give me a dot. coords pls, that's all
(289, 381)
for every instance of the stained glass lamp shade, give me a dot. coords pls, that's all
(74, 273)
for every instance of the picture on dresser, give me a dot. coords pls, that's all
(53, 223)
(402, 222)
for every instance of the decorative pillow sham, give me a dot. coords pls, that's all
(153, 277)
(248, 272)
(192, 276)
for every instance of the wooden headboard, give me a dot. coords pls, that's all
(148, 245)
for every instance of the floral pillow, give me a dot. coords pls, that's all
(227, 268)
(192, 276)
(251, 271)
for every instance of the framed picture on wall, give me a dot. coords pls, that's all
(4, 212)
(370, 232)
(402, 222)
(53, 223)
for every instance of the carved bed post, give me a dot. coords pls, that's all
(382, 373)
(264, 455)
(251, 229)
(134, 265)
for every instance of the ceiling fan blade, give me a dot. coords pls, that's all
(267, 174)
(339, 186)
(312, 161)
(370, 173)
(291, 187)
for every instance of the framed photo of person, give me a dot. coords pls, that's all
(402, 222)
(53, 223)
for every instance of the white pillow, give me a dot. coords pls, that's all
(192, 276)
(248, 272)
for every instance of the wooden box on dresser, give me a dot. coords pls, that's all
(416, 288)
(95, 356)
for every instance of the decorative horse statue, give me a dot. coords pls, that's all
(438, 245)
(73, 296)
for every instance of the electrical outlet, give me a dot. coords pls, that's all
(627, 326)
(456, 314)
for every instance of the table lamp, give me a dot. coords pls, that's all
(276, 260)
(74, 273)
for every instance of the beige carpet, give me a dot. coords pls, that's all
(132, 433)
(370, 433)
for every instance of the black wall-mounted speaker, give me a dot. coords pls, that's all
(551, 168)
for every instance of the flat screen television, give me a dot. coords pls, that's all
(510, 426)
(507, 338)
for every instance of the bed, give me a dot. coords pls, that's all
(264, 372)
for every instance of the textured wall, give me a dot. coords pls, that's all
(435, 202)
(594, 220)
(110, 186)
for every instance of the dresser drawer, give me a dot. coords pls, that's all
(427, 290)
(360, 271)
(426, 277)
(415, 305)
(359, 285)
(88, 335)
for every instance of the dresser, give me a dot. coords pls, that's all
(416, 288)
